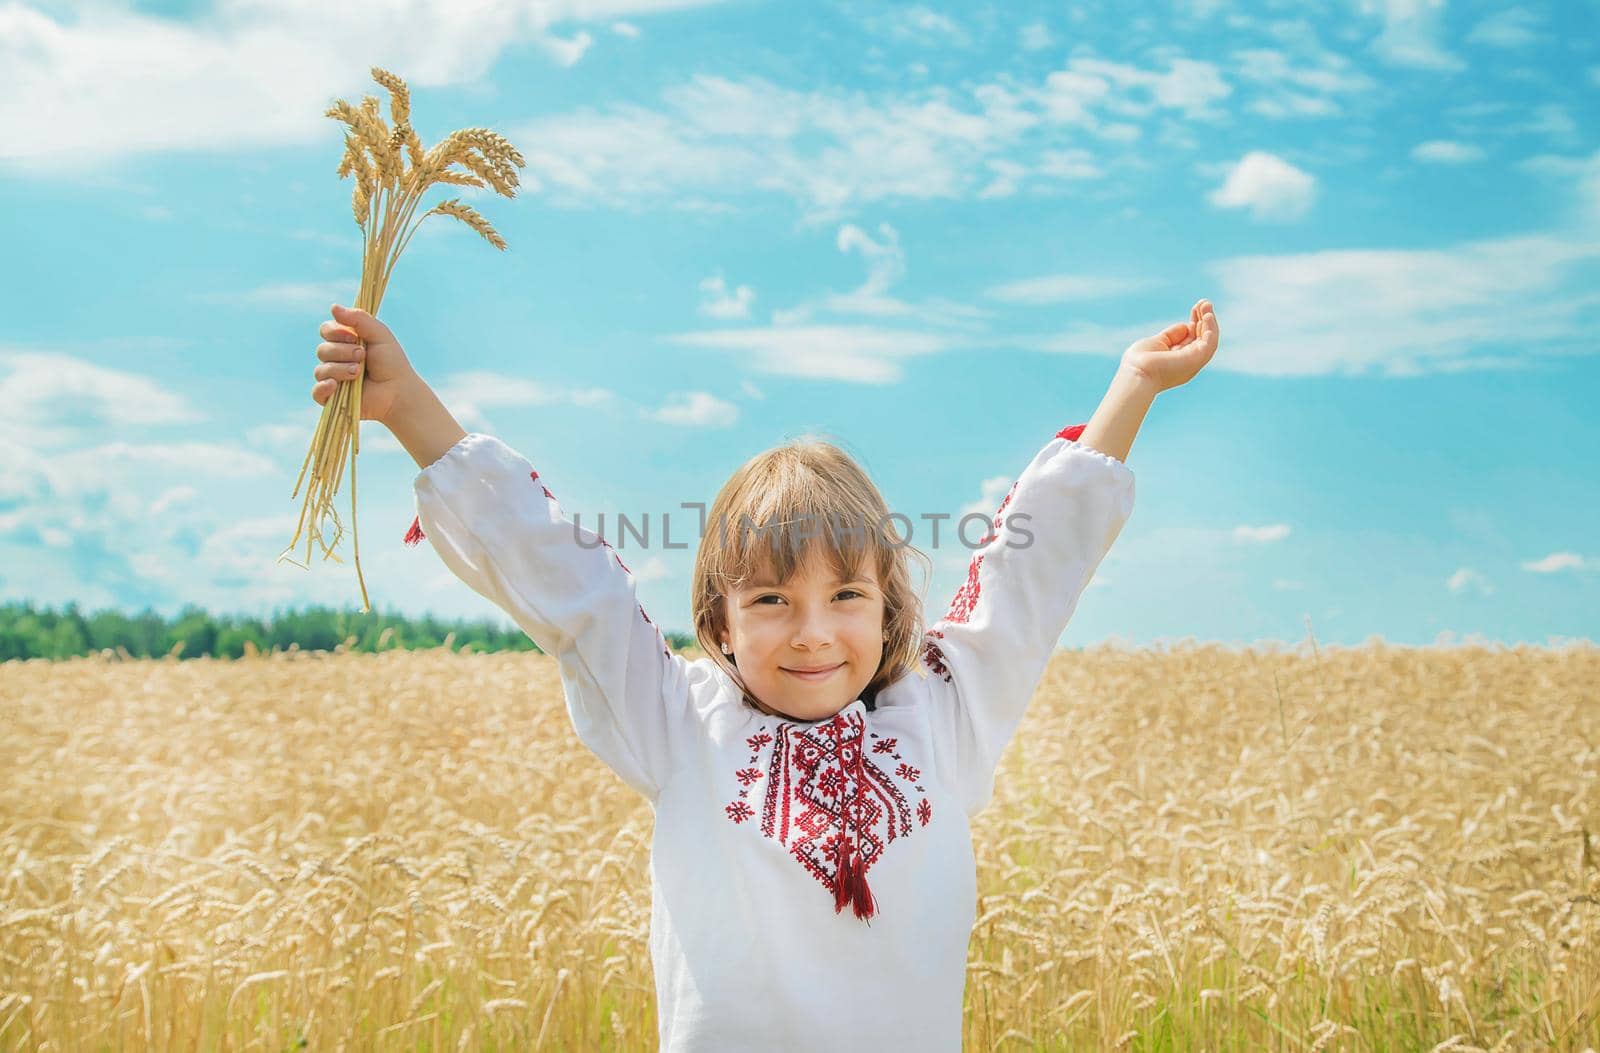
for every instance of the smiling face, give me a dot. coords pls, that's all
(813, 621)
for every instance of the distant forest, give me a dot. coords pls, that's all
(27, 631)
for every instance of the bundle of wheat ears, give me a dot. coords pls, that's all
(386, 196)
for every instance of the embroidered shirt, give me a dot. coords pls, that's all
(753, 942)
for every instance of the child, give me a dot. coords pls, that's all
(801, 769)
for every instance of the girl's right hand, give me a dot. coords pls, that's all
(354, 341)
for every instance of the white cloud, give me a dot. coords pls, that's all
(1188, 86)
(105, 85)
(720, 302)
(1392, 312)
(835, 152)
(1070, 164)
(124, 549)
(1410, 34)
(653, 569)
(1515, 27)
(566, 52)
(1065, 288)
(1582, 175)
(863, 354)
(696, 409)
(993, 490)
(310, 297)
(1008, 178)
(49, 398)
(858, 354)
(1261, 534)
(285, 436)
(1309, 83)
(171, 498)
(885, 265)
(1559, 561)
(108, 81)
(99, 467)
(917, 23)
(625, 29)
(750, 390)
(1467, 578)
(1270, 187)
(469, 394)
(1549, 119)
(1444, 151)
(1035, 36)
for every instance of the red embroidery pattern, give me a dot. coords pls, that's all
(966, 597)
(415, 534)
(831, 806)
(998, 517)
(932, 656)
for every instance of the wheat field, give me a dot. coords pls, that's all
(1191, 847)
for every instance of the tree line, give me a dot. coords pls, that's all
(27, 631)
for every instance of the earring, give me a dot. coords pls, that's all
(725, 648)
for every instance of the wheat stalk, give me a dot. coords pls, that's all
(392, 171)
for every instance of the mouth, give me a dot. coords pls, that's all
(814, 674)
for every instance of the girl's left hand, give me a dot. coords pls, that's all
(1173, 356)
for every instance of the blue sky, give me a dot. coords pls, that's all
(924, 231)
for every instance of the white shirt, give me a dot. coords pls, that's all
(752, 811)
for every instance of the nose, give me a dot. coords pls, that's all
(813, 631)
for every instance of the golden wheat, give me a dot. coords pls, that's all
(383, 203)
(406, 850)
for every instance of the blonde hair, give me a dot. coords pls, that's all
(751, 527)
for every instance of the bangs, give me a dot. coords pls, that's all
(775, 549)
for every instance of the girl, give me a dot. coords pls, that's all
(801, 769)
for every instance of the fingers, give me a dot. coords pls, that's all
(322, 391)
(337, 371)
(343, 334)
(362, 322)
(335, 352)
(1203, 319)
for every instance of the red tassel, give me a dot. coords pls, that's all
(1071, 432)
(415, 534)
(850, 885)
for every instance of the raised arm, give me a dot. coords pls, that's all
(423, 425)
(496, 524)
(987, 653)
(1050, 534)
